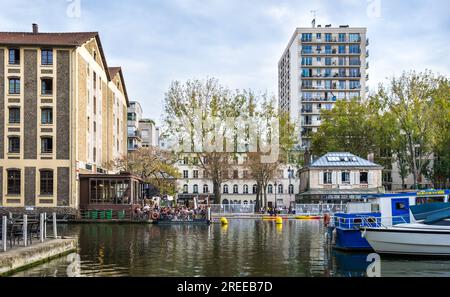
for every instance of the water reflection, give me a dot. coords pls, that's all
(243, 248)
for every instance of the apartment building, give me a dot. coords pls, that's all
(339, 177)
(320, 66)
(149, 132)
(62, 113)
(239, 187)
(134, 132)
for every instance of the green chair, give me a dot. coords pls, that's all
(109, 215)
(102, 215)
(121, 214)
(94, 215)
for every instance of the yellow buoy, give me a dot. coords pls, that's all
(224, 221)
(279, 221)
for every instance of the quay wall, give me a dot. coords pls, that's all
(24, 257)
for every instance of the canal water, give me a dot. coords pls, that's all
(244, 248)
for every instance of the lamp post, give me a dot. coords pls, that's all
(276, 185)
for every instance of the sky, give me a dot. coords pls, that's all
(238, 42)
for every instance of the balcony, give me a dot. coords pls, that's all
(367, 53)
(135, 134)
(319, 99)
(367, 65)
(367, 42)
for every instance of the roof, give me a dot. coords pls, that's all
(64, 39)
(118, 70)
(60, 39)
(342, 160)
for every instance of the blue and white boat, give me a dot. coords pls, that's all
(378, 211)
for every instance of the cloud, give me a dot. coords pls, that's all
(239, 42)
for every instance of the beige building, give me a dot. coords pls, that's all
(338, 177)
(63, 112)
(239, 188)
(320, 66)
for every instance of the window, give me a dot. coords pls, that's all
(345, 176)
(13, 177)
(185, 189)
(95, 80)
(307, 61)
(354, 61)
(95, 154)
(328, 61)
(291, 189)
(14, 56)
(255, 189)
(235, 189)
(185, 174)
(245, 189)
(46, 86)
(354, 37)
(341, 49)
(95, 105)
(185, 160)
(342, 37)
(355, 84)
(270, 189)
(354, 72)
(205, 189)
(225, 189)
(14, 115)
(327, 178)
(354, 49)
(235, 174)
(47, 145)
(46, 182)
(280, 189)
(195, 173)
(195, 161)
(319, 36)
(47, 57)
(195, 189)
(47, 116)
(306, 37)
(14, 86)
(245, 174)
(14, 145)
(327, 37)
(327, 49)
(364, 178)
(307, 49)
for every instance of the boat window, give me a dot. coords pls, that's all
(425, 200)
(400, 205)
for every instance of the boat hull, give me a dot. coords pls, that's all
(408, 241)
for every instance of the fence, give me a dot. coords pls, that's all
(319, 209)
(14, 229)
(105, 215)
(238, 209)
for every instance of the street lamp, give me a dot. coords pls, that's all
(276, 195)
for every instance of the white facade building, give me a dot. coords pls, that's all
(149, 133)
(240, 188)
(320, 66)
(134, 133)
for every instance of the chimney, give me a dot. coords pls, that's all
(35, 28)
(371, 157)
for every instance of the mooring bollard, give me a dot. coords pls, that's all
(25, 230)
(4, 226)
(41, 234)
(55, 234)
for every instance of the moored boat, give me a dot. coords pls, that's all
(429, 236)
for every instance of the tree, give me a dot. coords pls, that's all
(153, 165)
(197, 122)
(409, 99)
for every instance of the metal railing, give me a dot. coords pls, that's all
(105, 215)
(356, 223)
(25, 228)
(319, 209)
(241, 209)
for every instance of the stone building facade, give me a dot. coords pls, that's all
(62, 112)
